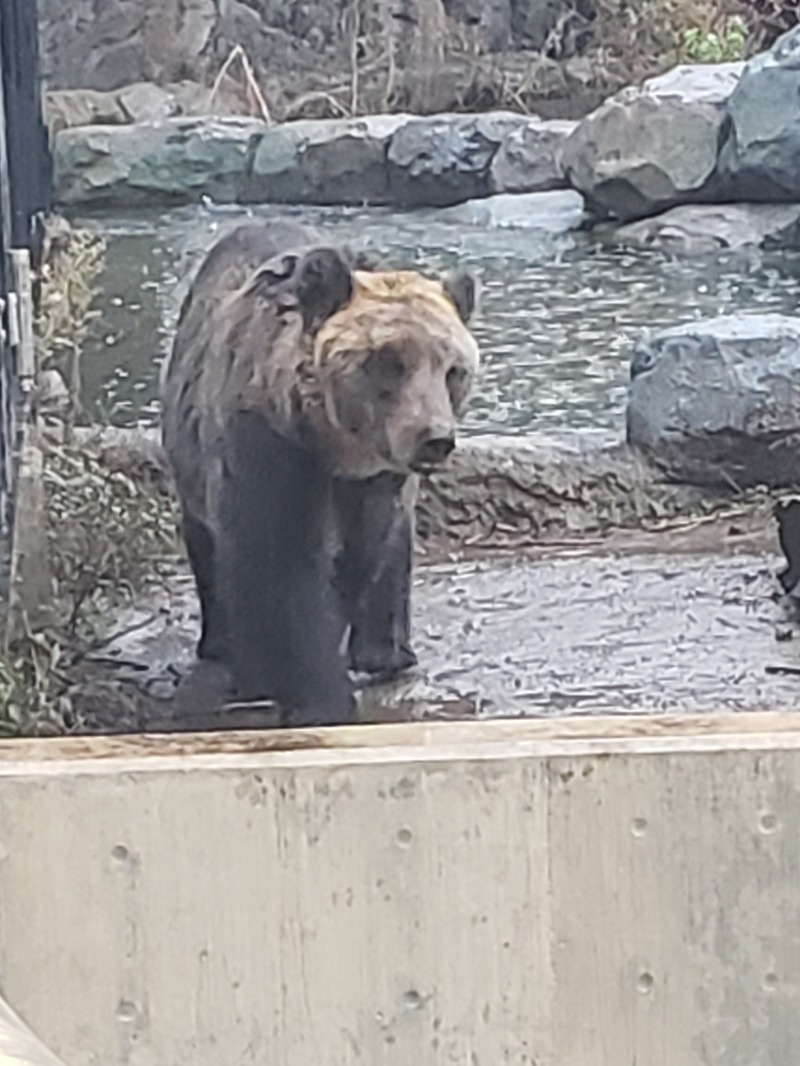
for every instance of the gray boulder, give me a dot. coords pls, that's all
(718, 401)
(701, 83)
(489, 21)
(140, 102)
(694, 229)
(81, 107)
(760, 154)
(529, 157)
(327, 162)
(647, 149)
(379, 159)
(558, 27)
(145, 102)
(91, 45)
(446, 159)
(556, 211)
(177, 161)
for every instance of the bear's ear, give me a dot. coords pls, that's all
(360, 259)
(275, 270)
(323, 283)
(320, 280)
(462, 288)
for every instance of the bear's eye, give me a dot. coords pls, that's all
(457, 379)
(385, 362)
(386, 369)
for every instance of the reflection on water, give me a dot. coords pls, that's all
(559, 314)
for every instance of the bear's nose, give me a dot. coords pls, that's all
(433, 451)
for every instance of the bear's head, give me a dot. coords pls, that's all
(371, 368)
(387, 366)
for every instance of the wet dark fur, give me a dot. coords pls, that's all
(286, 555)
(787, 513)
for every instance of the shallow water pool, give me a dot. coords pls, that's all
(559, 312)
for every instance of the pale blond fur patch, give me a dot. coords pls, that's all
(382, 302)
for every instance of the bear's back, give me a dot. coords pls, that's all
(238, 255)
(197, 371)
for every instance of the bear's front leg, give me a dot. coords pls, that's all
(284, 624)
(200, 549)
(373, 571)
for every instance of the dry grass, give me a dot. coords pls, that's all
(771, 18)
(107, 530)
(637, 40)
(109, 519)
(630, 41)
(446, 69)
(71, 261)
(106, 526)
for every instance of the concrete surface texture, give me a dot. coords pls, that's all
(18, 1045)
(488, 894)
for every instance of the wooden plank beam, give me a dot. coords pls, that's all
(727, 729)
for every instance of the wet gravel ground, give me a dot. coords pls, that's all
(574, 633)
(603, 635)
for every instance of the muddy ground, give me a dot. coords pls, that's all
(687, 619)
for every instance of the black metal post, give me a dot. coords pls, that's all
(25, 198)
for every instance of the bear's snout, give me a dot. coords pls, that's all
(433, 451)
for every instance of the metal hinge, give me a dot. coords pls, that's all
(19, 317)
(10, 325)
(12, 330)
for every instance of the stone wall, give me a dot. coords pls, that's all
(379, 159)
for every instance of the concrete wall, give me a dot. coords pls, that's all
(596, 893)
(18, 1045)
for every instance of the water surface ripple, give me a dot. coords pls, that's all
(559, 313)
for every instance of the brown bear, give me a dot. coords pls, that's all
(303, 395)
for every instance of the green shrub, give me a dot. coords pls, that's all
(730, 44)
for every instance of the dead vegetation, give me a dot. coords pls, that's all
(108, 530)
(434, 59)
(70, 262)
(636, 41)
(341, 58)
(110, 518)
(771, 18)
